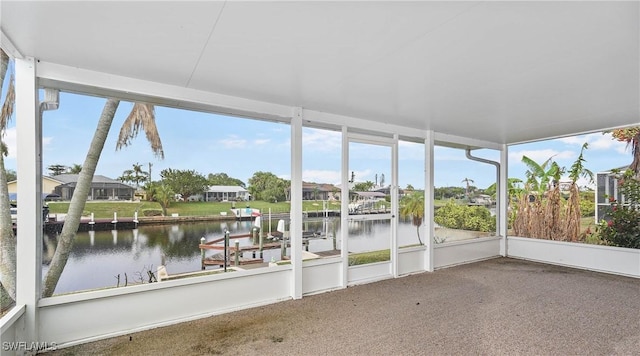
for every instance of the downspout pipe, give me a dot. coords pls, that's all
(497, 165)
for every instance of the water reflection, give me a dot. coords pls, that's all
(98, 257)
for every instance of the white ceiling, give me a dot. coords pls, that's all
(503, 72)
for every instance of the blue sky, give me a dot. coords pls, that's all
(210, 143)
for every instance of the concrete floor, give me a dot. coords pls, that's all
(496, 307)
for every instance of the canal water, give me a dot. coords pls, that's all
(100, 259)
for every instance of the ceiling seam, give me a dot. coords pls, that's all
(204, 47)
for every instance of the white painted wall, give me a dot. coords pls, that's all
(321, 275)
(368, 273)
(11, 325)
(83, 317)
(411, 260)
(607, 259)
(459, 252)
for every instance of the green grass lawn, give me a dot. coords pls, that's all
(369, 257)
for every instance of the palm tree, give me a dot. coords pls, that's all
(631, 136)
(75, 168)
(164, 196)
(467, 181)
(142, 116)
(412, 206)
(7, 237)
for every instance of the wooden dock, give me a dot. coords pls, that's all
(218, 260)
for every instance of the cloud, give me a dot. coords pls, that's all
(321, 140)
(11, 140)
(441, 153)
(261, 141)
(363, 176)
(321, 176)
(233, 142)
(597, 142)
(541, 156)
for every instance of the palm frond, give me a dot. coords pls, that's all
(8, 105)
(143, 117)
(577, 168)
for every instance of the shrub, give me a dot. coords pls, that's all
(622, 226)
(455, 216)
(587, 204)
(151, 212)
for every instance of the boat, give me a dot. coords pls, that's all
(245, 213)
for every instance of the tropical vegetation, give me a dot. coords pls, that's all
(412, 206)
(458, 216)
(622, 226)
(7, 237)
(541, 211)
(141, 117)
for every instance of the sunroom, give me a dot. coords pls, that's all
(383, 79)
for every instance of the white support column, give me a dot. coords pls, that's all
(344, 208)
(504, 199)
(29, 169)
(394, 205)
(295, 227)
(428, 201)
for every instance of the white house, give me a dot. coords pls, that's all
(226, 193)
(607, 187)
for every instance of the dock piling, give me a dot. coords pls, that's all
(237, 253)
(226, 249)
(261, 245)
(202, 241)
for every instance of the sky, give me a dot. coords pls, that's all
(210, 143)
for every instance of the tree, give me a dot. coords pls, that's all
(448, 192)
(75, 168)
(541, 211)
(287, 189)
(409, 187)
(267, 186)
(164, 195)
(135, 175)
(456, 216)
(363, 186)
(540, 176)
(57, 169)
(631, 136)
(412, 206)
(139, 176)
(573, 210)
(514, 188)
(184, 182)
(466, 192)
(7, 237)
(142, 116)
(11, 175)
(224, 179)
